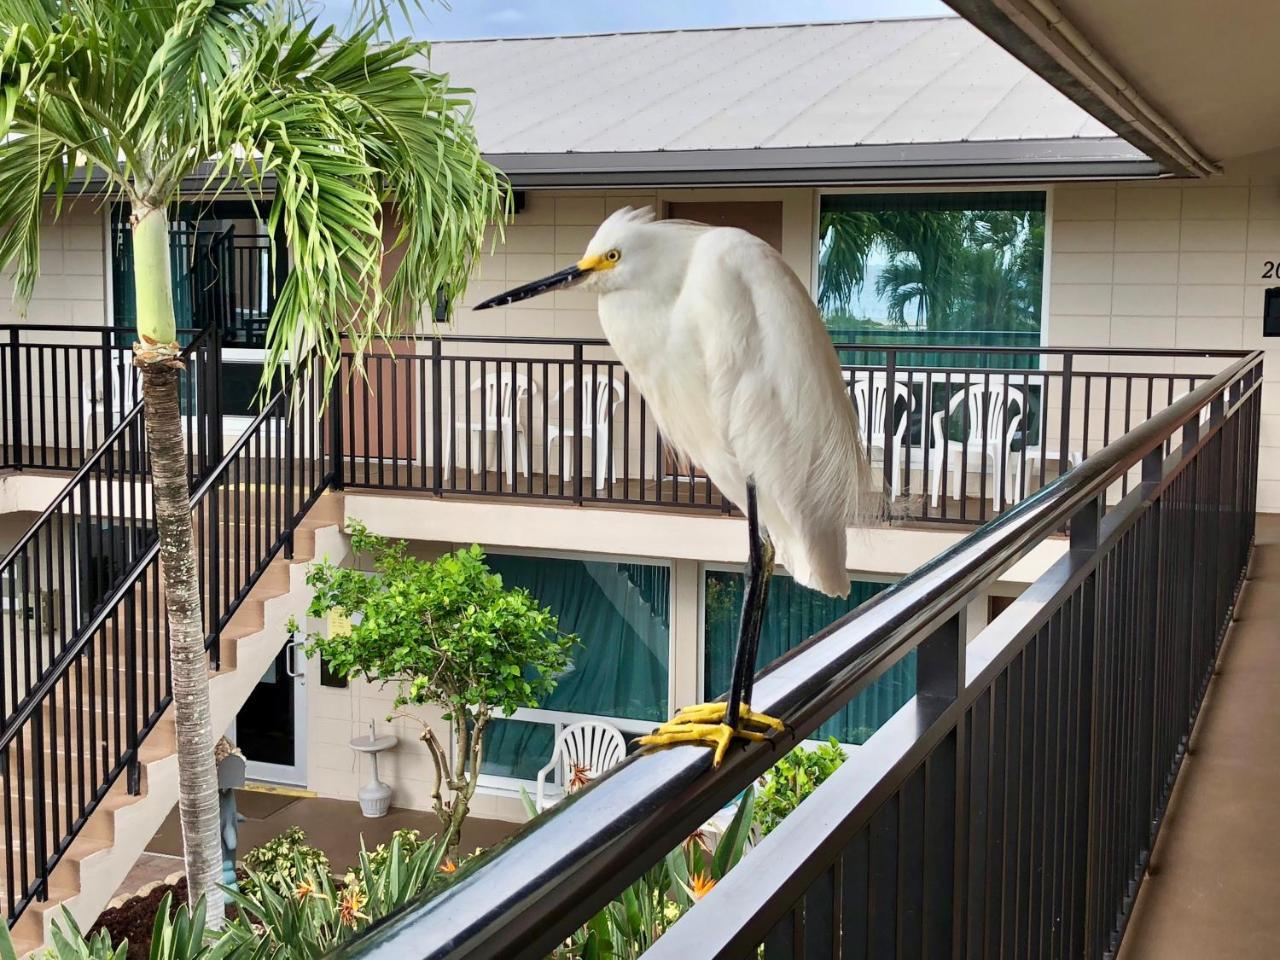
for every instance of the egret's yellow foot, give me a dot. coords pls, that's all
(703, 723)
(714, 713)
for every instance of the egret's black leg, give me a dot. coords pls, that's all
(758, 574)
(717, 724)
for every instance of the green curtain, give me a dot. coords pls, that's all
(621, 613)
(793, 614)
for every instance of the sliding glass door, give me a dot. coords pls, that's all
(621, 613)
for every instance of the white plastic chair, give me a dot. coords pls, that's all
(871, 400)
(124, 395)
(990, 439)
(588, 749)
(601, 397)
(502, 398)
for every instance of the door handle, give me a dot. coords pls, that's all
(291, 667)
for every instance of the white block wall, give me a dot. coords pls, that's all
(72, 286)
(1171, 264)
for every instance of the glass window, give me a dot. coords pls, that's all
(621, 613)
(517, 748)
(793, 614)
(933, 269)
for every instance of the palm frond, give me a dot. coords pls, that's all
(379, 186)
(363, 158)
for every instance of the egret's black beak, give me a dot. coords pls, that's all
(561, 280)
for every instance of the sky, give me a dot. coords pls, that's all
(467, 19)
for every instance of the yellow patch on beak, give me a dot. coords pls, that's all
(596, 262)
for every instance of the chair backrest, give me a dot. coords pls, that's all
(124, 379)
(591, 747)
(600, 394)
(994, 410)
(502, 393)
(870, 399)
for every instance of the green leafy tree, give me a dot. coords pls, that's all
(793, 778)
(350, 144)
(445, 633)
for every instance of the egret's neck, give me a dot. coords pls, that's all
(638, 325)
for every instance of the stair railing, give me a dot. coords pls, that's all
(80, 727)
(91, 536)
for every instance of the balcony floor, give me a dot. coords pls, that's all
(1214, 877)
(975, 506)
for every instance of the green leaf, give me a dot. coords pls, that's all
(733, 842)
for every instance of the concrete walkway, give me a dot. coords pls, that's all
(1213, 888)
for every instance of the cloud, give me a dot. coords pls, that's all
(505, 15)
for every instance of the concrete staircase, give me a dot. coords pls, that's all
(122, 825)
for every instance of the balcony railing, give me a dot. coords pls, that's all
(1008, 809)
(65, 388)
(965, 432)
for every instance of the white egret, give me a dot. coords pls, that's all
(731, 355)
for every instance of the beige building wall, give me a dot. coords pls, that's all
(1171, 264)
(690, 543)
(552, 231)
(72, 288)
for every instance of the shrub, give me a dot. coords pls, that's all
(315, 916)
(283, 862)
(446, 633)
(792, 779)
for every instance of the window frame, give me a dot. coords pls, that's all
(495, 785)
(1031, 187)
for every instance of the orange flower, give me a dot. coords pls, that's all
(349, 907)
(700, 885)
(579, 777)
(448, 866)
(304, 889)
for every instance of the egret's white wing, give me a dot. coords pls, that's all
(778, 413)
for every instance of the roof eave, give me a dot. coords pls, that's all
(993, 161)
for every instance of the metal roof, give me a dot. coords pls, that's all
(822, 95)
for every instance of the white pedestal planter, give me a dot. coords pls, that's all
(375, 796)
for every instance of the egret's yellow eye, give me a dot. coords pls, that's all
(613, 256)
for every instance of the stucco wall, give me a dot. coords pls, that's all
(71, 288)
(552, 231)
(1171, 264)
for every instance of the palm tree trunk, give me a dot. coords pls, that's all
(189, 662)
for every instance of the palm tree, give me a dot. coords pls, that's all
(323, 130)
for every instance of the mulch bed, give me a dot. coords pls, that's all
(135, 918)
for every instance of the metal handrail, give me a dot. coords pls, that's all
(867, 346)
(58, 664)
(296, 450)
(100, 453)
(525, 896)
(107, 608)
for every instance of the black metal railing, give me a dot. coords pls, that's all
(80, 725)
(63, 390)
(958, 440)
(1008, 809)
(88, 540)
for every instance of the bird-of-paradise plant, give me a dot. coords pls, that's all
(352, 146)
